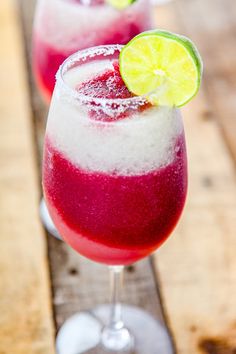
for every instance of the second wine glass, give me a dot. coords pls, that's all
(62, 27)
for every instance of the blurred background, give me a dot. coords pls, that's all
(189, 284)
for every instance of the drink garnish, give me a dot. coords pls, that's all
(164, 67)
(120, 4)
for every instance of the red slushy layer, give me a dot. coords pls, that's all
(114, 219)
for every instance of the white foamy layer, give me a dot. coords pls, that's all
(68, 25)
(135, 145)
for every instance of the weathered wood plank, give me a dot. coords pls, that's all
(185, 268)
(197, 266)
(215, 35)
(26, 319)
(78, 283)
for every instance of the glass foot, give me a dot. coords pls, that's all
(47, 221)
(82, 333)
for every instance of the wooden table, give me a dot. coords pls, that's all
(190, 283)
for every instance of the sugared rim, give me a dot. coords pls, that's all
(81, 55)
(81, 4)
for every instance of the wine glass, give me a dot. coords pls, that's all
(62, 27)
(115, 181)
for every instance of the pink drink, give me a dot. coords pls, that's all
(110, 218)
(115, 188)
(64, 26)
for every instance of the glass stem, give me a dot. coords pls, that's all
(116, 275)
(115, 336)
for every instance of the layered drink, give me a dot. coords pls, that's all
(115, 171)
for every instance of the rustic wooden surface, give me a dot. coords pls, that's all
(212, 24)
(197, 266)
(25, 305)
(78, 283)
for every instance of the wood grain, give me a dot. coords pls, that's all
(26, 318)
(197, 265)
(216, 37)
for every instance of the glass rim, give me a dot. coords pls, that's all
(96, 5)
(80, 4)
(81, 55)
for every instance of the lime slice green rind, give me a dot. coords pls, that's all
(120, 4)
(174, 59)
